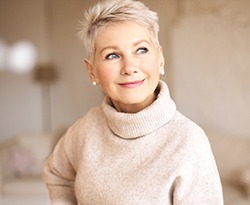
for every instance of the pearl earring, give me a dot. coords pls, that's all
(94, 83)
(162, 72)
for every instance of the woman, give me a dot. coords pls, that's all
(135, 148)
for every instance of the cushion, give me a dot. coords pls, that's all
(29, 154)
(22, 161)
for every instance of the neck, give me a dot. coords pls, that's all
(137, 107)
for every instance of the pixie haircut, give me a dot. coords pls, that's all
(116, 11)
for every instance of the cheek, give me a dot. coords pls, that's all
(152, 67)
(105, 75)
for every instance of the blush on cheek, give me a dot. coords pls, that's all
(104, 78)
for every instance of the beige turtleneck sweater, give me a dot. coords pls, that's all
(153, 157)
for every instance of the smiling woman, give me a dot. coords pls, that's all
(135, 148)
(127, 68)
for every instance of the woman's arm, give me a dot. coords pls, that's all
(199, 181)
(59, 175)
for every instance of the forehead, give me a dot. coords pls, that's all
(123, 33)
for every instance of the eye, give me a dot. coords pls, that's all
(142, 50)
(111, 56)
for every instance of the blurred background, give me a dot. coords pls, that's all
(44, 86)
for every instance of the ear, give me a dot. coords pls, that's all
(161, 60)
(91, 72)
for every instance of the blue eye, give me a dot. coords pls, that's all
(111, 56)
(142, 50)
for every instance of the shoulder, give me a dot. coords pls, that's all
(91, 118)
(191, 136)
(193, 150)
(187, 127)
(82, 131)
(84, 126)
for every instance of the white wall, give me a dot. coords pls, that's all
(52, 29)
(20, 98)
(211, 67)
(73, 95)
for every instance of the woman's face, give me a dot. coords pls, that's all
(127, 65)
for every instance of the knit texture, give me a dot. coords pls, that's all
(154, 157)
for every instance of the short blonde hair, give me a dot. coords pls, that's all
(115, 11)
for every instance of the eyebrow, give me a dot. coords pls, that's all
(109, 47)
(140, 41)
(117, 48)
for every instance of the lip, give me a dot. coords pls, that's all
(132, 84)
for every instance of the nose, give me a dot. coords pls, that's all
(129, 66)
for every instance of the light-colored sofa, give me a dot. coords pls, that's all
(22, 158)
(21, 162)
(232, 155)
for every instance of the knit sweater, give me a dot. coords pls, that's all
(154, 157)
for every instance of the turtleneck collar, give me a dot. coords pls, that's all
(134, 125)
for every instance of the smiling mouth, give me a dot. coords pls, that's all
(133, 84)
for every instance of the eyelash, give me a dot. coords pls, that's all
(144, 49)
(111, 56)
